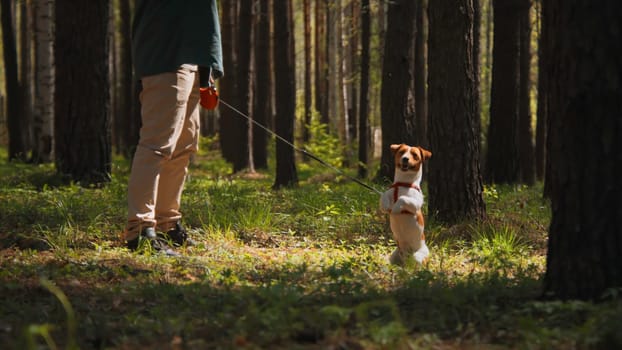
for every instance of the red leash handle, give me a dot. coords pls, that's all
(209, 97)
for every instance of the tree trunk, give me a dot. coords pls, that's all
(421, 78)
(242, 156)
(382, 26)
(363, 154)
(526, 149)
(343, 86)
(17, 147)
(551, 134)
(285, 80)
(585, 90)
(455, 184)
(397, 109)
(485, 72)
(502, 151)
(26, 73)
(263, 84)
(321, 65)
(334, 87)
(82, 100)
(43, 118)
(307, 71)
(125, 123)
(350, 71)
(477, 32)
(540, 152)
(230, 123)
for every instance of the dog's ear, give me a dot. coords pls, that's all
(395, 147)
(425, 154)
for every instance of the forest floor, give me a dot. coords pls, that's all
(301, 268)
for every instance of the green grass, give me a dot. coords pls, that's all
(295, 268)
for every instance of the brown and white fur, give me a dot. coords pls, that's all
(403, 201)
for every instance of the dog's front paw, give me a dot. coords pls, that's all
(397, 209)
(385, 204)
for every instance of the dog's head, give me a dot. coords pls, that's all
(409, 158)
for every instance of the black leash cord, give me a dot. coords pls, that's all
(301, 150)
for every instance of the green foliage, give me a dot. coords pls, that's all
(498, 248)
(490, 192)
(323, 144)
(294, 268)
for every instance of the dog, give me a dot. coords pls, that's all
(403, 202)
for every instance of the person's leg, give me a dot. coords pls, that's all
(164, 100)
(174, 171)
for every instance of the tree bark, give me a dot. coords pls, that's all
(334, 86)
(363, 151)
(526, 149)
(126, 124)
(321, 65)
(285, 80)
(585, 89)
(26, 74)
(541, 132)
(263, 84)
(502, 152)
(82, 101)
(397, 109)
(455, 184)
(351, 26)
(477, 32)
(421, 74)
(242, 155)
(17, 147)
(307, 71)
(229, 122)
(43, 118)
(485, 72)
(551, 133)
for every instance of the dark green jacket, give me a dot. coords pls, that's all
(169, 33)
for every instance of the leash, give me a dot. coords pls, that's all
(301, 150)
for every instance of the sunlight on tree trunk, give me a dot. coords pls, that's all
(455, 183)
(44, 89)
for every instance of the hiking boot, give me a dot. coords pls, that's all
(148, 235)
(179, 236)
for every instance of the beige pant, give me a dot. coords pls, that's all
(168, 136)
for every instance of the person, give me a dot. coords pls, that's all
(176, 48)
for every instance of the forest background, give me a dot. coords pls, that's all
(292, 253)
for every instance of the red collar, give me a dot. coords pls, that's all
(397, 185)
(405, 184)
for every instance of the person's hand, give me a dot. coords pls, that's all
(209, 97)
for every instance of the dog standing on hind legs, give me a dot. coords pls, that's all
(403, 201)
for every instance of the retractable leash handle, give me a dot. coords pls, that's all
(209, 94)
